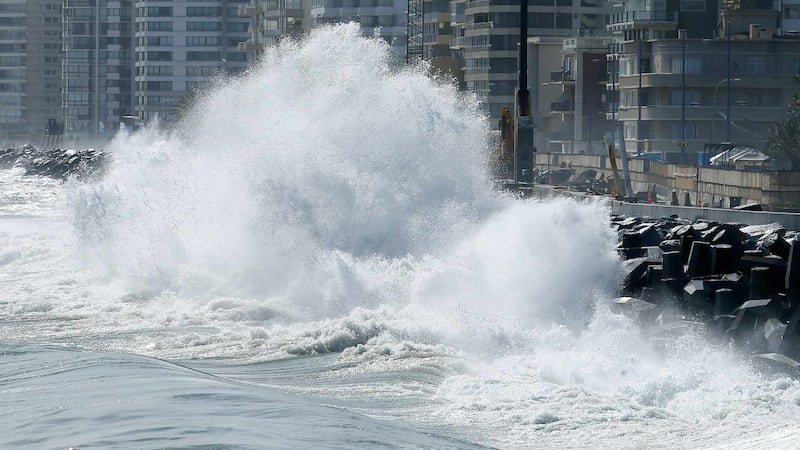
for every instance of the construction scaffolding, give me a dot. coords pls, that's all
(414, 30)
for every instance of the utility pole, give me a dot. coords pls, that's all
(523, 128)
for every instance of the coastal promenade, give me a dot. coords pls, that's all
(705, 185)
(790, 221)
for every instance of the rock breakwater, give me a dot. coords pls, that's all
(738, 283)
(55, 163)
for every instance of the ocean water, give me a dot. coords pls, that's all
(315, 259)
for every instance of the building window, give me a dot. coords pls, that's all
(156, 70)
(693, 5)
(203, 56)
(203, 26)
(202, 41)
(203, 11)
(755, 65)
(692, 130)
(155, 26)
(158, 56)
(241, 27)
(155, 41)
(694, 65)
(692, 97)
(154, 11)
(201, 71)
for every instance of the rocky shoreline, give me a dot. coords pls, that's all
(737, 283)
(55, 163)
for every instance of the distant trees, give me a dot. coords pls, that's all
(784, 138)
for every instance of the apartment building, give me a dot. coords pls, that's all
(386, 19)
(687, 83)
(437, 39)
(30, 69)
(97, 68)
(487, 34)
(582, 77)
(273, 20)
(178, 47)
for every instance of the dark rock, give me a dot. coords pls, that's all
(670, 245)
(699, 263)
(790, 346)
(762, 282)
(721, 324)
(792, 277)
(672, 265)
(773, 333)
(632, 307)
(775, 244)
(697, 299)
(764, 307)
(55, 163)
(634, 270)
(725, 302)
(750, 207)
(631, 239)
(723, 259)
(778, 362)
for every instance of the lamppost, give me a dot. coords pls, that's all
(714, 106)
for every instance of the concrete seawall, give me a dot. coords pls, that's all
(774, 189)
(788, 220)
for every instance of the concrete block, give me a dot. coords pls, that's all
(725, 302)
(699, 263)
(723, 259)
(672, 265)
(792, 277)
(773, 333)
(632, 307)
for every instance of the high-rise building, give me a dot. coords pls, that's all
(97, 69)
(437, 39)
(690, 78)
(179, 46)
(386, 19)
(30, 69)
(488, 35)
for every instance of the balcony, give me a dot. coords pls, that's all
(560, 76)
(248, 11)
(563, 106)
(642, 19)
(249, 46)
(477, 26)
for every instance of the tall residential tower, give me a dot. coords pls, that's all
(30, 68)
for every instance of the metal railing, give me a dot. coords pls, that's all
(643, 16)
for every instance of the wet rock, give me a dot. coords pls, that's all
(723, 259)
(773, 333)
(741, 283)
(792, 277)
(672, 265)
(55, 163)
(725, 302)
(776, 245)
(699, 263)
(632, 307)
(779, 363)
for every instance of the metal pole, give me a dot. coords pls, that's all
(639, 103)
(682, 33)
(613, 97)
(728, 107)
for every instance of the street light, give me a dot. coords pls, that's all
(714, 107)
